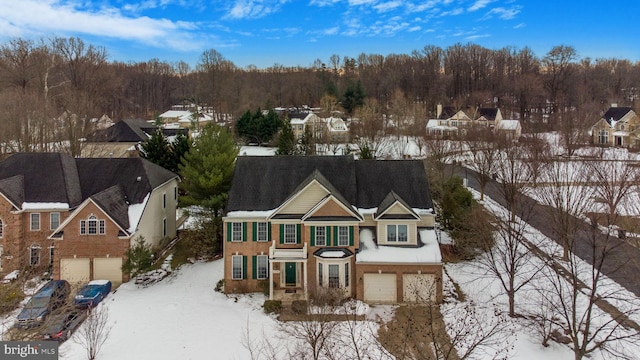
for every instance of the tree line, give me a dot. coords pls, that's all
(50, 90)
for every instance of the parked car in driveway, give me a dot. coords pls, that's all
(92, 293)
(50, 297)
(60, 326)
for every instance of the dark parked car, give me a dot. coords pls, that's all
(50, 297)
(92, 293)
(60, 326)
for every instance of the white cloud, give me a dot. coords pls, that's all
(479, 4)
(414, 29)
(521, 25)
(32, 18)
(361, 2)
(322, 3)
(243, 9)
(502, 13)
(331, 31)
(387, 6)
(475, 37)
(454, 12)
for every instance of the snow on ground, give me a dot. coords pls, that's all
(182, 317)
(486, 292)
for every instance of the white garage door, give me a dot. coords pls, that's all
(380, 288)
(419, 288)
(75, 270)
(108, 269)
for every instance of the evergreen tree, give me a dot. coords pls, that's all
(286, 140)
(157, 150)
(179, 147)
(258, 127)
(353, 97)
(208, 169)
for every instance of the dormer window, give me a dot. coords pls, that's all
(397, 233)
(92, 226)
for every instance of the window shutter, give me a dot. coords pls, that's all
(244, 267)
(244, 231)
(269, 231)
(313, 236)
(228, 231)
(327, 234)
(335, 236)
(298, 233)
(254, 266)
(254, 231)
(350, 235)
(281, 233)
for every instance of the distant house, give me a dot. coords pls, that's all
(298, 224)
(619, 126)
(78, 217)
(450, 122)
(123, 138)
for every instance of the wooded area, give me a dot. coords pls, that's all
(50, 90)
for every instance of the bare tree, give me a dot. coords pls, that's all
(94, 332)
(481, 143)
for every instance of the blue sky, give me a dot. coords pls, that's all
(291, 33)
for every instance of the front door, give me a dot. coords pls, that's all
(290, 274)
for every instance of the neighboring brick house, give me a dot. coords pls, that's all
(296, 223)
(78, 217)
(617, 127)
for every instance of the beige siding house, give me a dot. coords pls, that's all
(619, 126)
(297, 225)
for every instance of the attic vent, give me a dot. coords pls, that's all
(139, 178)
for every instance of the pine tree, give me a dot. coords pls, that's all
(286, 140)
(157, 150)
(208, 167)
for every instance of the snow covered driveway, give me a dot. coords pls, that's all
(181, 317)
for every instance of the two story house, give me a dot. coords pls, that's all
(619, 126)
(78, 217)
(296, 224)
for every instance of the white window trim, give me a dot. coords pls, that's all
(234, 259)
(236, 235)
(342, 237)
(396, 239)
(288, 232)
(324, 236)
(31, 248)
(31, 216)
(322, 276)
(51, 227)
(265, 266)
(265, 231)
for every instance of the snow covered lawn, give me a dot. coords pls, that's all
(181, 317)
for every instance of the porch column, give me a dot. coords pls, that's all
(306, 279)
(270, 279)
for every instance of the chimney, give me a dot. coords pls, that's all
(438, 111)
(614, 105)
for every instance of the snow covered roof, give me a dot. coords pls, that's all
(45, 206)
(428, 253)
(509, 124)
(98, 282)
(135, 213)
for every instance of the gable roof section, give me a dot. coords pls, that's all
(130, 130)
(113, 202)
(136, 176)
(406, 178)
(616, 113)
(13, 189)
(488, 113)
(47, 177)
(265, 183)
(391, 199)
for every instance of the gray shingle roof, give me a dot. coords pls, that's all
(48, 177)
(130, 130)
(616, 113)
(55, 177)
(113, 202)
(264, 183)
